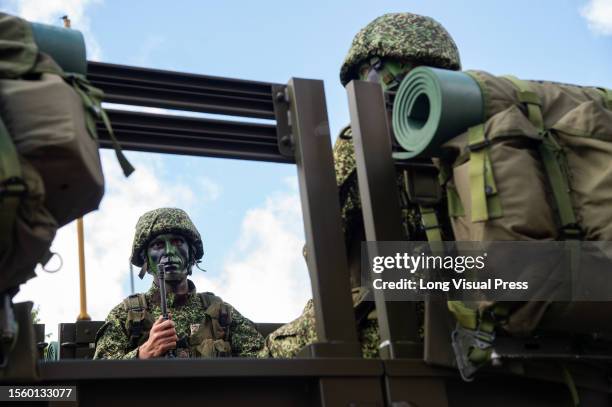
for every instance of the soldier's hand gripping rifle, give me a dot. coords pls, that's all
(161, 270)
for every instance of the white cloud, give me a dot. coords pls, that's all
(598, 14)
(108, 239)
(151, 44)
(209, 190)
(50, 12)
(265, 276)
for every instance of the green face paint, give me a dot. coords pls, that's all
(388, 73)
(176, 248)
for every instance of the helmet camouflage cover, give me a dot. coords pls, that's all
(164, 220)
(344, 164)
(402, 36)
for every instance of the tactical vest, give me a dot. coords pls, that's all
(211, 339)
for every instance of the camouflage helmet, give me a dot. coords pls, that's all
(401, 36)
(344, 164)
(164, 220)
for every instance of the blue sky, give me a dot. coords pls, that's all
(248, 213)
(275, 40)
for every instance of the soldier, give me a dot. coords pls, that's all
(384, 51)
(200, 325)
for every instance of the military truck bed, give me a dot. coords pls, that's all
(302, 382)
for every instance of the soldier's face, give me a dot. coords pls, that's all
(176, 248)
(385, 72)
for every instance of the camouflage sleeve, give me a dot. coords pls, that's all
(290, 338)
(112, 341)
(246, 341)
(369, 337)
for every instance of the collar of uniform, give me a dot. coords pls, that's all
(152, 295)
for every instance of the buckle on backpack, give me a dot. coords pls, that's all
(420, 183)
(479, 145)
(472, 350)
(13, 187)
(571, 232)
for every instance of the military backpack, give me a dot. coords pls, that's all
(50, 170)
(538, 168)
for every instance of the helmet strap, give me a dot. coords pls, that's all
(197, 264)
(143, 270)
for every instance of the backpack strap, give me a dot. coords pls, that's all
(12, 187)
(92, 100)
(485, 200)
(219, 312)
(453, 202)
(430, 222)
(136, 305)
(554, 162)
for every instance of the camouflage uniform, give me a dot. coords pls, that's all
(113, 339)
(402, 37)
(350, 210)
(287, 341)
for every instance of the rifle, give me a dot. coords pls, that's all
(161, 270)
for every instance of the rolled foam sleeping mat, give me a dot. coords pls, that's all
(432, 106)
(64, 45)
(52, 351)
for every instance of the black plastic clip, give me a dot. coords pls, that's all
(464, 341)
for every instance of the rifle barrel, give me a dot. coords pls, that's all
(161, 271)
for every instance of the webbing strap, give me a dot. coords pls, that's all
(470, 318)
(126, 167)
(552, 154)
(453, 202)
(429, 219)
(92, 97)
(571, 386)
(136, 302)
(12, 187)
(477, 142)
(531, 100)
(455, 207)
(136, 305)
(466, 317)
(494, 207)
(553, 159)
